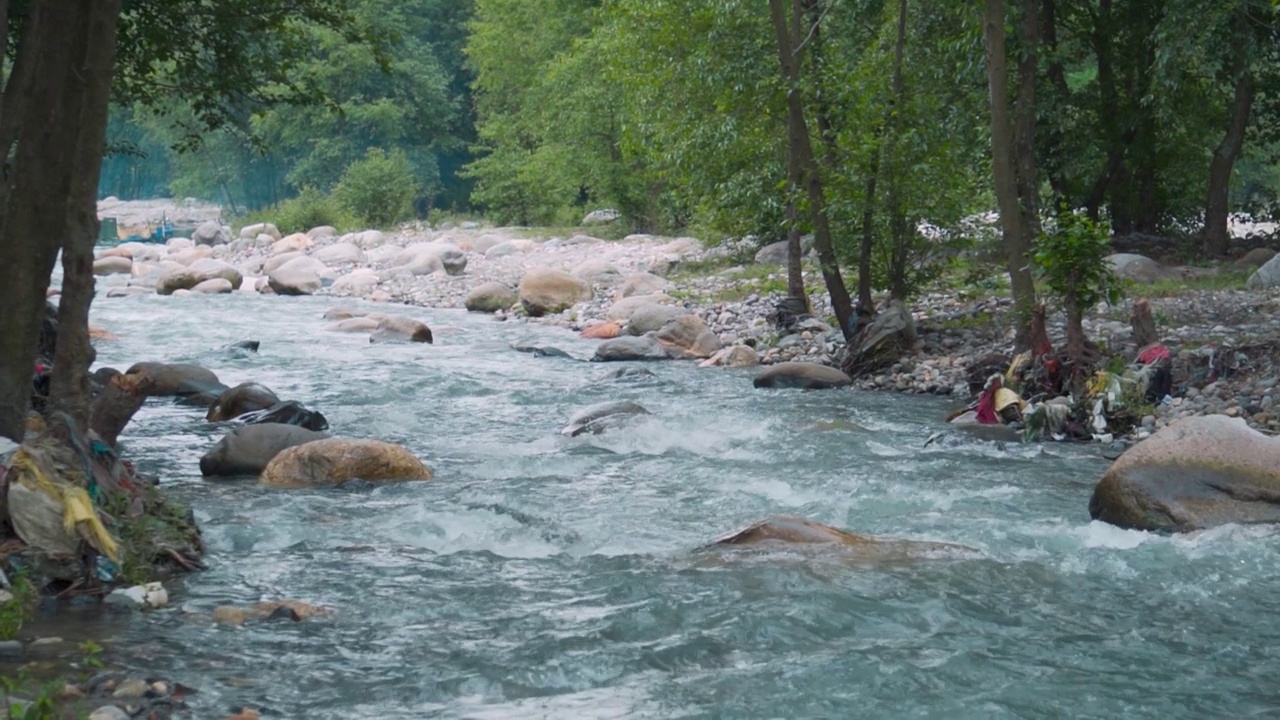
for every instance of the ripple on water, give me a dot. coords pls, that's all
(544, 576)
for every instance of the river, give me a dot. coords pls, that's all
(544, 576)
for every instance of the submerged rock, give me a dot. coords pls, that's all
(1196, 473)
(333, 461)
(401, 329)
(793, 530)
(628, 347)
(807, 376)
(291, 412)
(597, 418)
(241, 399)
(181, 379)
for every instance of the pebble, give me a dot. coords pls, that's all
(108, 712)
(131, 689)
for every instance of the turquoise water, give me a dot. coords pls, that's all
(539, 576)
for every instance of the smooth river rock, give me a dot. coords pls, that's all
(597, 418)
(791, 530)
(247, 450)
(333, 461)
(1196, 473)
(241, 399)
(544, 291)
(807, 376)
(625, 348)
(490, 297)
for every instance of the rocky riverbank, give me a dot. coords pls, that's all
(1223, 342)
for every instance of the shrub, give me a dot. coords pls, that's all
(378, 189)
(310, 209)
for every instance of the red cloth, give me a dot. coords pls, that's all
(1152, 354)
(987, 407)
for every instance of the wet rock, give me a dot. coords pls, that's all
(602, 416)
(540, 350)
(296, 610)
(790, 530)
(291, 412)
(803, 375)
(333, 461)
(1195, 473)
(626, 348)
(629, 373)
(545, 291)
(249, 449)
(210, 269)
(295, 280)
(401, 329)
(173, 280)
(10, 650)
(180, 379)
(490, 297)
(355, 324)
(241, 399)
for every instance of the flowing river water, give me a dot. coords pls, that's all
(545, 576)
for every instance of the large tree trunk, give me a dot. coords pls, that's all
(1024, 129)
(795, 254)
(1016, 235)
(1216, 209)
(69, 386)
(801, 157)
(34, 206)
(899, 232)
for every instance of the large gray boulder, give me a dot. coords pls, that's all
(688, 337)
(1138, 268)
(247, 450)
(209, 269)
(776, 253)
(622, 349)
(343, 253)
(1196, 473)
(1267, 276)
(211, 233)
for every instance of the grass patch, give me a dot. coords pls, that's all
(1231, 279)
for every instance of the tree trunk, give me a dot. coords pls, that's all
(866, 305)
(1216, 210)
(34, 206)
(69, 386)
(900, 233)
(1054, 160)
(1017, 244)
(795, 252)
(1024, 129)
(803, 163)
(116, 405)
(1143, 324)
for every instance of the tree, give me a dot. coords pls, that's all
(53, 116)
(802, 166)
(1006, 158)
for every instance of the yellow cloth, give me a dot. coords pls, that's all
(78, 513)
(1006, 397)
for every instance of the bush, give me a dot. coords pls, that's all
(311, 209)
(378, 189)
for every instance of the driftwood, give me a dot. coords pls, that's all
(1144, 325)
(116, 404)
(882, 343)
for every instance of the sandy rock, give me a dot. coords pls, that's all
(334, 461)
(652, 317)
(257, 229)
(340, 254)
(356, 282)
(545, 291)
(1195, 473)
(173, 280)
(688, 336)
(490, 297)
(622, 310)
(209, 269)
(602, 331)
(297, 242)
(322, 232)
(595, 269)
(215, 286)
(733, 356)
(113, 266)
(640, 284)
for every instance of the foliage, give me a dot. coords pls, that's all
(14, 612)
(379, 189)
(310, 209)
(1071, 256)
(42, 706)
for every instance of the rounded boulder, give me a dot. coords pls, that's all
(544, 291)
(333, 461)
